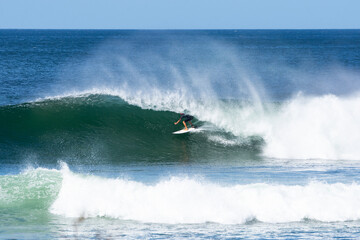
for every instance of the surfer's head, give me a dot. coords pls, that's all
(181, 114)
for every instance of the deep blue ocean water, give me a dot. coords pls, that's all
(87, 150)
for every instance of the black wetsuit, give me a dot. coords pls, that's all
(186, 117)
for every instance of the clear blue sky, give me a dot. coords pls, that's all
(180, 14)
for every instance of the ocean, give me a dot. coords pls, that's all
(87, 150)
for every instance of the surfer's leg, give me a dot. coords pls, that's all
(185, 125)
(191, 124)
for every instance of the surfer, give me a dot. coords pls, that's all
(186, 118)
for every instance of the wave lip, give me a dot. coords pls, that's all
(185, 200)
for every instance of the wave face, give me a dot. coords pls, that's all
(33, 189)
(104, 127)
(176, 199)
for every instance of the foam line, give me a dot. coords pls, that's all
(184, 200)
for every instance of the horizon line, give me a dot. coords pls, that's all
(178, 29)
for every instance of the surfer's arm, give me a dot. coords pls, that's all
(177, 121)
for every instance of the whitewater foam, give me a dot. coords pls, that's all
(325, 127)
(186, 200)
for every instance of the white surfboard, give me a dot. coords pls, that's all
(186, 131)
